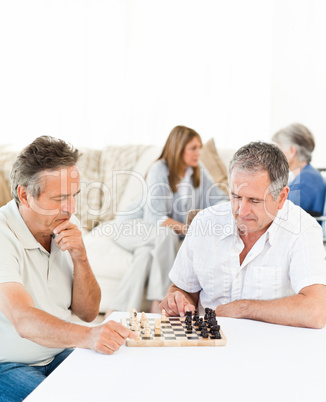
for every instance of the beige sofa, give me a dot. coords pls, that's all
(111, 178)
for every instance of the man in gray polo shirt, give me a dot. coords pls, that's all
(44, 272)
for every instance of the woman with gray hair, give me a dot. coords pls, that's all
(307, 186)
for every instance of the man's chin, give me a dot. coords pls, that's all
(247, 228)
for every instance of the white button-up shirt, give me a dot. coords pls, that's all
(286, 258)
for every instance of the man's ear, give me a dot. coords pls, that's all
(283, 196)
(293, 150)
(23, 195)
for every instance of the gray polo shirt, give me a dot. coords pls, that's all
(48, 278)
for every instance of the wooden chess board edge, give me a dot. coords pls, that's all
(161, 342)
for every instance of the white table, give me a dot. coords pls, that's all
(261, 362)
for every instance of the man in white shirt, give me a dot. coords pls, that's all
(259, 256)
(44, 272)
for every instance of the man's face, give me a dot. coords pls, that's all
(57, 200)
(253, 206)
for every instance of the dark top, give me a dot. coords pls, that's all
(308, 190)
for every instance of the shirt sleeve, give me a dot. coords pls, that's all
(307, 264)
(9, 261)
(183, 273)
(159, 195)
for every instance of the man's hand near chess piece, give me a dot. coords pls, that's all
(109, 337)
(177, 302)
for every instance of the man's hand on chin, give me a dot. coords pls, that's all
(69, 237)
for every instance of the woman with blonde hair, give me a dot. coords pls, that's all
(176, 184)
(307, 186)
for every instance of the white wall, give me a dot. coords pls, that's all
(111, 72)
(299, 69)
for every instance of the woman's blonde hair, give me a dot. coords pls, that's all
(173, 151)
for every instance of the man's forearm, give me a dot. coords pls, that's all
(49, 331)
(299, 310)
(86, 294)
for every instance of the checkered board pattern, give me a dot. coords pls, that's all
(173, 333)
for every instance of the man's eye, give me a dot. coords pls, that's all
(255, 201)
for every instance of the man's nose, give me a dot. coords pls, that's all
(244, 208)
(69, 206)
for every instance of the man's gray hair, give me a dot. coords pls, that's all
(43, 154)
(300, 137)
(262, 156)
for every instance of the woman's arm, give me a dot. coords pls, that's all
(178, 227)
(159, 198)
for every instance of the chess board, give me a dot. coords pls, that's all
(173, 333)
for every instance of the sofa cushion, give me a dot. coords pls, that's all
(89, 199)
(115, 166)
(137, 177)
(106, 258)
(214, 164)
(8, 155)
(4, 191)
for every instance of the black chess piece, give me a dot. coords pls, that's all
(204, 333)
(195, 316)
(214, 335)
(201, 324)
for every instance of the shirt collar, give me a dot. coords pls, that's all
(20, 229)
(230, 226)
(188, 173)
(281, 220)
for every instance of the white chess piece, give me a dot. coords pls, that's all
(163, 317)
(143, 319)
(147, 333)
(157, 328)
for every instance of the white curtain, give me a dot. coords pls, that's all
(103, 72)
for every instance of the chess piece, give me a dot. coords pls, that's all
(131, 317)
(164, 319)
(143, 319)
(135, 326)
(147, 334)
(157, 328)
(189, 328)
(188, 318)
(195, 316)
(201, 324)
(204, 333)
